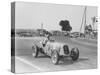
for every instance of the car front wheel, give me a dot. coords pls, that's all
(35, 51)
(55, 57)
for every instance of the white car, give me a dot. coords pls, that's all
(55, 50)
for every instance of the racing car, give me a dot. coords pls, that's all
(55, 50)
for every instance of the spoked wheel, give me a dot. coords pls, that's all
(35, 51)
(55, 57)
(74, 54)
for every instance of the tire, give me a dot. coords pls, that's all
(74, 54)
(55, 57)
(66, 49)
(35, 51)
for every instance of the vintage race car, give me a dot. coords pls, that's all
(55, 50)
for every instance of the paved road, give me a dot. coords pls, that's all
(87, 59)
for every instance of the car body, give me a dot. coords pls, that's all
(54, 50)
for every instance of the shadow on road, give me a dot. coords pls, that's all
(65, 61)
(82, 59)
(68, 61)
(43, 56)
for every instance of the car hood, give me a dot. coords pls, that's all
(56, 44)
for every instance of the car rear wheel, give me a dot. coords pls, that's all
(35, 51)
(55, 57)
(74, 54)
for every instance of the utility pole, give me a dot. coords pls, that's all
(41, 25)
(84, 17)
(93, 22)
(41, 28)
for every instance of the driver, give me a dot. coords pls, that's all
(47, 38)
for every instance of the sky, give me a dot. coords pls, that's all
(31, 15)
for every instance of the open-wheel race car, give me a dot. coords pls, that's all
(55, 50)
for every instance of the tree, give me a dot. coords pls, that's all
(65, 24)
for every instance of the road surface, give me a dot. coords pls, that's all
(26, 63)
